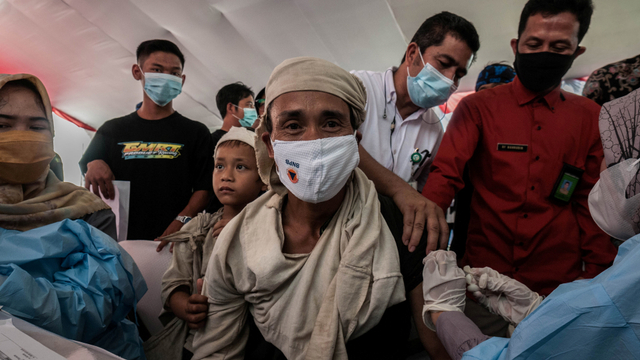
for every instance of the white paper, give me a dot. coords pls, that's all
(120, 206)
(16, 345)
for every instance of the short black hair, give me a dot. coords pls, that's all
(26, 84)
(231, 93)
(260, 94)
(433, 31)
(268, 124)
(148, 47)
(582, 9)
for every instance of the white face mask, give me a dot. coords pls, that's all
(316, 170)
(610, 209)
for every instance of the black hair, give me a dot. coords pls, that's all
(24, 83)
(231, 93)
(433, 31)
(268, 124)
(260, 94)
(582, 9)
(148, 47)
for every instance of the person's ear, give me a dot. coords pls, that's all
(184, 78)
(514, 46)
(266, 139)
(580, 51)
(358, 137)
(412, 53)
(231, 109)
(264, 186)
(136, 72)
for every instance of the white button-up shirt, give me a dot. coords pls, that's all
(421, 130)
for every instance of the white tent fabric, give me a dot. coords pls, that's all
(83, 50)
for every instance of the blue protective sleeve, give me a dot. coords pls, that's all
(585, 319)
(73, 280)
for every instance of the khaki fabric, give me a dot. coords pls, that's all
(193, 246)
(48, 200)
(313, 74)
(307, 305)
(191, 252)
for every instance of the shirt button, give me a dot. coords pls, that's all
(520, 243)
(537, 158)
(517, 269)
(395, 151)
(539, 127)
(525, 216)
(533, 188)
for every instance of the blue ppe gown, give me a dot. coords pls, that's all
(586, 319)
(73, 280)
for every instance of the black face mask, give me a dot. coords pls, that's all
(542, 70)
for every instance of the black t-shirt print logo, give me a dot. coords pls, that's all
(150, 150)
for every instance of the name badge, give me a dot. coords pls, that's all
(513, 147)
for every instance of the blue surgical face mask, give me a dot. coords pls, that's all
(162, 88)
(430, 88)
(250, 116)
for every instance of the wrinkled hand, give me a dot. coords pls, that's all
(197, 308)
(443, 285)
(99, 178)
(418, 211)
(173, 227)
(217, 228)
(501, 294)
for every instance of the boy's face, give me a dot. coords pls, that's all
(236, 181)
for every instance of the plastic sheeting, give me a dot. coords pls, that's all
(72, 279)
(585, 319)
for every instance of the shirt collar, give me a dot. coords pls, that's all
(525, 96)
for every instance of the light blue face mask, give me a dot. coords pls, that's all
(250, 116)
(162, 88)
(430, 88)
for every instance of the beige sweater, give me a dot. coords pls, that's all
(307, 305)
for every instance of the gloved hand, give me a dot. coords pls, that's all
(501, 294)
(443, 285)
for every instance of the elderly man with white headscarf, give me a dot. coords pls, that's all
(322, 272)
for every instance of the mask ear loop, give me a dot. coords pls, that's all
(421, 59)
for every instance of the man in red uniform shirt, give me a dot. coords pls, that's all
(521, 141)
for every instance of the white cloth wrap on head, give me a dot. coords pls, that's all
(307, 74)
(616, 215)
(240, 134)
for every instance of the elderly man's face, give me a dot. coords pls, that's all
(307, 115)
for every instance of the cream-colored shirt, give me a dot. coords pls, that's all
(191, 252)
(304, 304)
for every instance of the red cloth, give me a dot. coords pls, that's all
(514, 227)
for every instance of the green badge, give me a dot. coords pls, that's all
(416, 157)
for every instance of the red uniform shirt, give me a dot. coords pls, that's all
(515, 228)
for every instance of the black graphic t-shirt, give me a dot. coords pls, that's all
(165, 160)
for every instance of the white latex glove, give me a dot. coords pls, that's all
(443, 285)
(501, 294)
